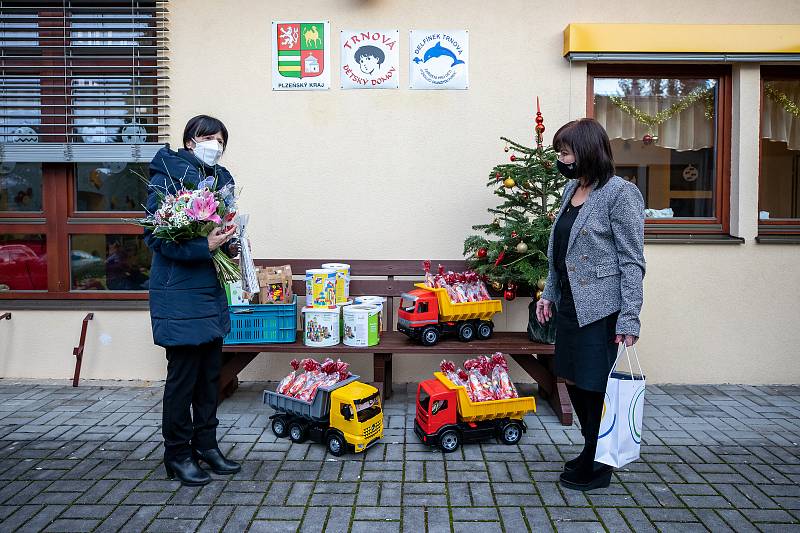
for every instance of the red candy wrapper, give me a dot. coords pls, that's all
(460, 286)
(304, 386)
(487, 378)
(286, 382)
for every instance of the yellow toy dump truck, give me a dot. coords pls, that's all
(446, 416)
(426, 314)
(346, 416)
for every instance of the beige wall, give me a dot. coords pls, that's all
(712, 313)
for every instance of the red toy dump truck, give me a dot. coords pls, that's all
(446, 416)
(426, 314)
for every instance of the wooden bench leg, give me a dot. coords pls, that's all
(554, 390)
(382, 372)
(232, 364)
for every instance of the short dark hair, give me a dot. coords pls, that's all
(202, 125)
(370, 50)
(589, 142)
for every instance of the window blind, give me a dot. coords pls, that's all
(83, 80)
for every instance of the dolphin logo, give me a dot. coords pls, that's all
(438, 51)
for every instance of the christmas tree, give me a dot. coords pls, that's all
(511, 253)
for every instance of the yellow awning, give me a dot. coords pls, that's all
(734, 42)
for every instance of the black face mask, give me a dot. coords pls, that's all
(568, 171)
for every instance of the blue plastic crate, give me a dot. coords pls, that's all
(263, 323)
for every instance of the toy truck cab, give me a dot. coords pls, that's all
(356, 416)
(436, 409)
(418, 316)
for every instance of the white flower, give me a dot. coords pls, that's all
(180, 220)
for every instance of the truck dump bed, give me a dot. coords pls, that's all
(317, 409)
(470, 411)
(452, 312)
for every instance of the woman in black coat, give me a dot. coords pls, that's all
(189, 309)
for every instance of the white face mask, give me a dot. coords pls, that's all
(208, 152)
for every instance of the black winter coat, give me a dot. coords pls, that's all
(187, 304)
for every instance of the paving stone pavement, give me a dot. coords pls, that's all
(714, 458)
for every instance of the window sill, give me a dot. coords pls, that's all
(74, 305)
(691, 238)
(778, 239)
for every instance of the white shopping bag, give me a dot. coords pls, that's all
(620, 434)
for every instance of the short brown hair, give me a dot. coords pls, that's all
(589, 142)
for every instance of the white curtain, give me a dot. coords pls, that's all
(687, 130)
(777, 124)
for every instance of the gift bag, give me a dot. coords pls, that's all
(620, 434)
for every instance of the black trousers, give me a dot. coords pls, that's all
(192, 380)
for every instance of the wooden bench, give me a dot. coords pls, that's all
(535, 359)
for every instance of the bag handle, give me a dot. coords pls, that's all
(622, 346)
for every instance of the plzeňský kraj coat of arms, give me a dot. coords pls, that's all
(301, 56)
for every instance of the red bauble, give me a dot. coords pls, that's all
(509, 294)
(647, 139)
(481, 253)
(513, 234)
(540, 128)
(513, 158)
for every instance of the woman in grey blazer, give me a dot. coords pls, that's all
(596, 256)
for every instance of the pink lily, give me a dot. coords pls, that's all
(203, 209)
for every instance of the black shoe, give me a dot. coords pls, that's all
(584, 479)
(187, 471)
(217, 461)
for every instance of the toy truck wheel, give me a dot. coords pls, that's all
(485, 330)
(279, 427)
(297, 432)
(466, 332)
(449, 441)
(511, 433)
(430, 336)
(336, 445)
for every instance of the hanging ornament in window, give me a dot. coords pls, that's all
(649, 139)
(690, 173)
(134, 134)
(7, 166)
(24, 134)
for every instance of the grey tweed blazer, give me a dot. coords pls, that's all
(605, 255)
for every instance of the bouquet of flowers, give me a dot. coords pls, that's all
(195, 212)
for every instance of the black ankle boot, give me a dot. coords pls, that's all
(187, 471)
(217, 461)
(587, 478)
(573, 464)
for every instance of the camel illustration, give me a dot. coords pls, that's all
(312, 36)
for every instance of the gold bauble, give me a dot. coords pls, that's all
(538, 295)
(522, 248)
(496, 285)
(541, 283)
(509, 182)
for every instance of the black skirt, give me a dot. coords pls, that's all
(584, 355)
